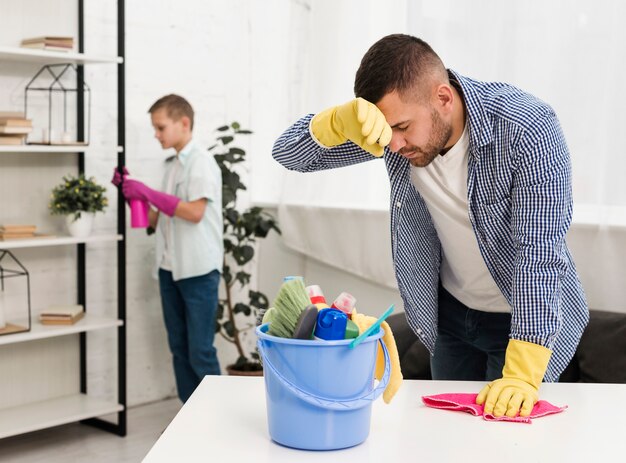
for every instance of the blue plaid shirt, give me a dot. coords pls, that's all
(520, 208)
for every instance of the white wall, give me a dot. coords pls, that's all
(568, 53)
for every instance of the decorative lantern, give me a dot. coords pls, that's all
(14, 295)
(48, 96)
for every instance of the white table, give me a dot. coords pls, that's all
(225, 420)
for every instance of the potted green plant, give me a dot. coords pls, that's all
(242, 229)
(78, 198)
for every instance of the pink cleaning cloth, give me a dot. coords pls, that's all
(463, 402)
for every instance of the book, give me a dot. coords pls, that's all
(11, 139)
(11, 115)
(62, 310)
(43, 46)
(61, 315)
(7, 237)
(59, 143)
(61, 320)
(15, 122)
(13, 235)
(64, 39)
(10, 227)
(62, 42)
(14, 130)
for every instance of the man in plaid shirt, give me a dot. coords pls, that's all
(480, 204)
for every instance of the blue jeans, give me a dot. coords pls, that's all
(470, 344)
(189, 307)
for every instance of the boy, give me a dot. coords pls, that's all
(189, 247)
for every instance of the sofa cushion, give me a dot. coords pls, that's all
(414, 357)
(599, 358)
(601, 354)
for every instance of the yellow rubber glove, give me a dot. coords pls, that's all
(395, 377)
(357, 120)
(525, 364)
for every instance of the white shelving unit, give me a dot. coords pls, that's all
(53, 57)
(45, 414)
(49, 149)
(59, 408)
(38, 331)
(56, 241)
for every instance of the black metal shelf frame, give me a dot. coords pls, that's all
(119, 428)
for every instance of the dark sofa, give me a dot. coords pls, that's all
(600, 356)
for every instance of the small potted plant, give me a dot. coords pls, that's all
(242, 229)
(78, 198)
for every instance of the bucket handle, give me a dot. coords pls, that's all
(333, 404)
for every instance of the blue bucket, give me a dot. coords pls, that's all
(319, 393)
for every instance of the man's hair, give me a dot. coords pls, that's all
(398, 62)
(175, 107)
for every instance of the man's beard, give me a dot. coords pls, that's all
(439, 136)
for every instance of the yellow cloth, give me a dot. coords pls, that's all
(395, 378)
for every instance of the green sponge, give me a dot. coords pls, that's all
(290, 301)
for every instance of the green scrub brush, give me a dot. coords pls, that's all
(290, 301)
(268, 316)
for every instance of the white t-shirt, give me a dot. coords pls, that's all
(192, 249)
(166, 262)
(464, 274)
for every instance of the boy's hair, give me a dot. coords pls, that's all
(175, 106)
(398, 62)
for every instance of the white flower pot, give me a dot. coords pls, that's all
(81, 227)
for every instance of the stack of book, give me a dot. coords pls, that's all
(14, 128)
(49, 43)
(61, 315)
(12, 232)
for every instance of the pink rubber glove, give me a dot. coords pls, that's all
(117, 177)
(164, 202)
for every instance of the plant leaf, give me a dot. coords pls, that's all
(226, 139)
(242, 308)
(243, 254)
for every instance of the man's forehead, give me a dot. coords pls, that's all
(398, 111)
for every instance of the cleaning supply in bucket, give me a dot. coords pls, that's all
(331, 324)
(317, 296)
(373, 328)
(287, 314)
(364, 322)
(345, 302)
(268, 316)
(352, 330)
(319, 394)
(290, 301)
(306, 323)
